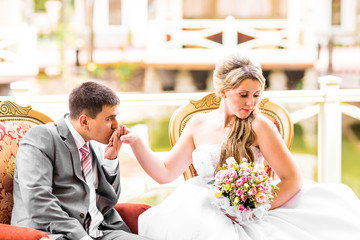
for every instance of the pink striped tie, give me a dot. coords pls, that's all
(94, 218)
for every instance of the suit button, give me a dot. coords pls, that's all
(82, 215)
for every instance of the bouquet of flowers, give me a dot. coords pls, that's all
(244, 191)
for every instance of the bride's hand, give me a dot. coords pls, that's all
(129, 137)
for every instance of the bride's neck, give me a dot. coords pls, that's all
(227, 120)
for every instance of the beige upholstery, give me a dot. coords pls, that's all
(275, 112)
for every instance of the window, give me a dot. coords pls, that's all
(336, 12)
(115, 12)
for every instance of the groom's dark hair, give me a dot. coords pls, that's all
(89, 98)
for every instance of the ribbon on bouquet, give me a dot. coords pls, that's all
(246, 216)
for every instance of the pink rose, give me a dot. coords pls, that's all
(232, 174)
(244, 165)
(241, 208)
(230, 161)
(252, 191)
(220, 175)
(261, 188)
(260, 197)
(239, 183)
(243, 179)
(239, 192)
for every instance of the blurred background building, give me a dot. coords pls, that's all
(174, 44)
(171, 46)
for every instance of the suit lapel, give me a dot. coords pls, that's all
(70, 144)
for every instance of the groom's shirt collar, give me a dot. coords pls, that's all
(79, 141)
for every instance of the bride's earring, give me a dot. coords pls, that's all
(222, 94)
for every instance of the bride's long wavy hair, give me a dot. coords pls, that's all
(229, 74)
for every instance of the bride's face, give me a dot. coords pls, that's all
(241, 101)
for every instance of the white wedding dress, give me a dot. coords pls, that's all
(318, 211)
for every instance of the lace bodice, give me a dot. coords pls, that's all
(206, 157)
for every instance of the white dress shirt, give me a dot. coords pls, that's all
(109, 165)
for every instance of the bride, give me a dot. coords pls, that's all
(303, 209)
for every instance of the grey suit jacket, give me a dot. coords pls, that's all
(50, 192)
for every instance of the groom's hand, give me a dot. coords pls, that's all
(113, 148)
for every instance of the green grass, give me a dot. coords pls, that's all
(350, 156)
(159, 135)
(158, 130)
(299, 144)
(351, 165)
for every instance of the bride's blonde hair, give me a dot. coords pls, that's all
(228, 74)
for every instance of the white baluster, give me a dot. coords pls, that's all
(329, 131)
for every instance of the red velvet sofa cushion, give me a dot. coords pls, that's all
(9, 232)
(130, 213)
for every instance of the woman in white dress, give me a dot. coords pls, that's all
(302, 209)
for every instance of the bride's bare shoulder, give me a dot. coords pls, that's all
(262, 123)
(199, 119)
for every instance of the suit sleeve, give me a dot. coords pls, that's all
(34, 164)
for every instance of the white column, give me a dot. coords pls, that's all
(310, 76)
(10, 13)
(278, 80)
(53, 9)
(79, 15)
(230, 34)
(184, 82)
(294, 11)
(329, 131)
(101, 15)
(176, 24)
(135, 19)
(152, 81)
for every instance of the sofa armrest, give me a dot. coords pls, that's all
(9, 232)
(130, 213)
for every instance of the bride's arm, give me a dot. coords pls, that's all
(176, 161)
(279, 158)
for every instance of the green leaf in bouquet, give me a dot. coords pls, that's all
(211, 182)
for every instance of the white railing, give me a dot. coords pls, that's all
(328, 103)
(270, 41)
(198, 33)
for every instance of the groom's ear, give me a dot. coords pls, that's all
(84, 122)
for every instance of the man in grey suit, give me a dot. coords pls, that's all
(66, 182)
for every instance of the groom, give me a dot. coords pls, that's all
(64, 182)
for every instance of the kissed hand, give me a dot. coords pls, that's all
(113, 148)
(129, 137)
